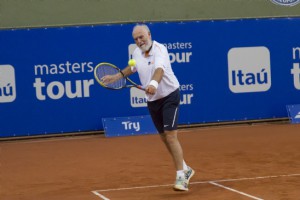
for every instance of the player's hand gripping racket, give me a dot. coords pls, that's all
(104, 69)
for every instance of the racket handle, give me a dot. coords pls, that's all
(140, 87)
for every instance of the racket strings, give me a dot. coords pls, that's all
(108, 70)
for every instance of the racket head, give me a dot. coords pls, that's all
(104, 69)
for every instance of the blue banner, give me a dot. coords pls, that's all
(128, 126)
(228, 70)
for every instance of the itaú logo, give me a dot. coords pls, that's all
(249, 69)
(7, 84)
(137, 98)
(286, 2)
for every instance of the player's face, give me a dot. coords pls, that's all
(142, 38)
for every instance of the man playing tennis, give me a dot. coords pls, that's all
(162, 92)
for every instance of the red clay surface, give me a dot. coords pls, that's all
(70, 168)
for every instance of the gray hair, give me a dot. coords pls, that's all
(141, 25)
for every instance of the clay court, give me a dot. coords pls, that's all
(236, 162)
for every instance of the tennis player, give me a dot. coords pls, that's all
(162, 93)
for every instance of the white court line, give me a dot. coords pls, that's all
(100, 195)
(98, 192)
(236, 191)
(243, 179)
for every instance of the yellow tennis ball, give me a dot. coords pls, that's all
(131, 62)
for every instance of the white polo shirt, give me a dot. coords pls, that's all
(145, 66)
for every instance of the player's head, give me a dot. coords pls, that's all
(142, 37)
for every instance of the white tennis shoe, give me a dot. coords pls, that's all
(182, 183)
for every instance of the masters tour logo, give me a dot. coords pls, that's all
(179, 52)
(249, 69)
(286, 2)
(7, 84)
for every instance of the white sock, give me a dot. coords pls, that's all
(185, 167)
(180, 173)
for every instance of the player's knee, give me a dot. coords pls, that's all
(171, 136)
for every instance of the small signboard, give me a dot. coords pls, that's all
(294, 113)
(128, 126)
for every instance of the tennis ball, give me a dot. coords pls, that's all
(131, 62)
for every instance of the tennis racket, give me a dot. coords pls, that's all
(104, 69)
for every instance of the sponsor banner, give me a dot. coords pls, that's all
(249, 69)
(294, 113)
(128, 126)
(228, 70)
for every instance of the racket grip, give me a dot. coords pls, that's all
(140, 87)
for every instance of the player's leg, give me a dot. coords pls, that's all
(184, 165)
(164, 113)
(170, 110)
(172, 143)
(159, 110)
(170, 138)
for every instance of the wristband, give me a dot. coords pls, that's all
(154, 83)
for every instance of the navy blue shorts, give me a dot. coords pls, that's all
(164, 112)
